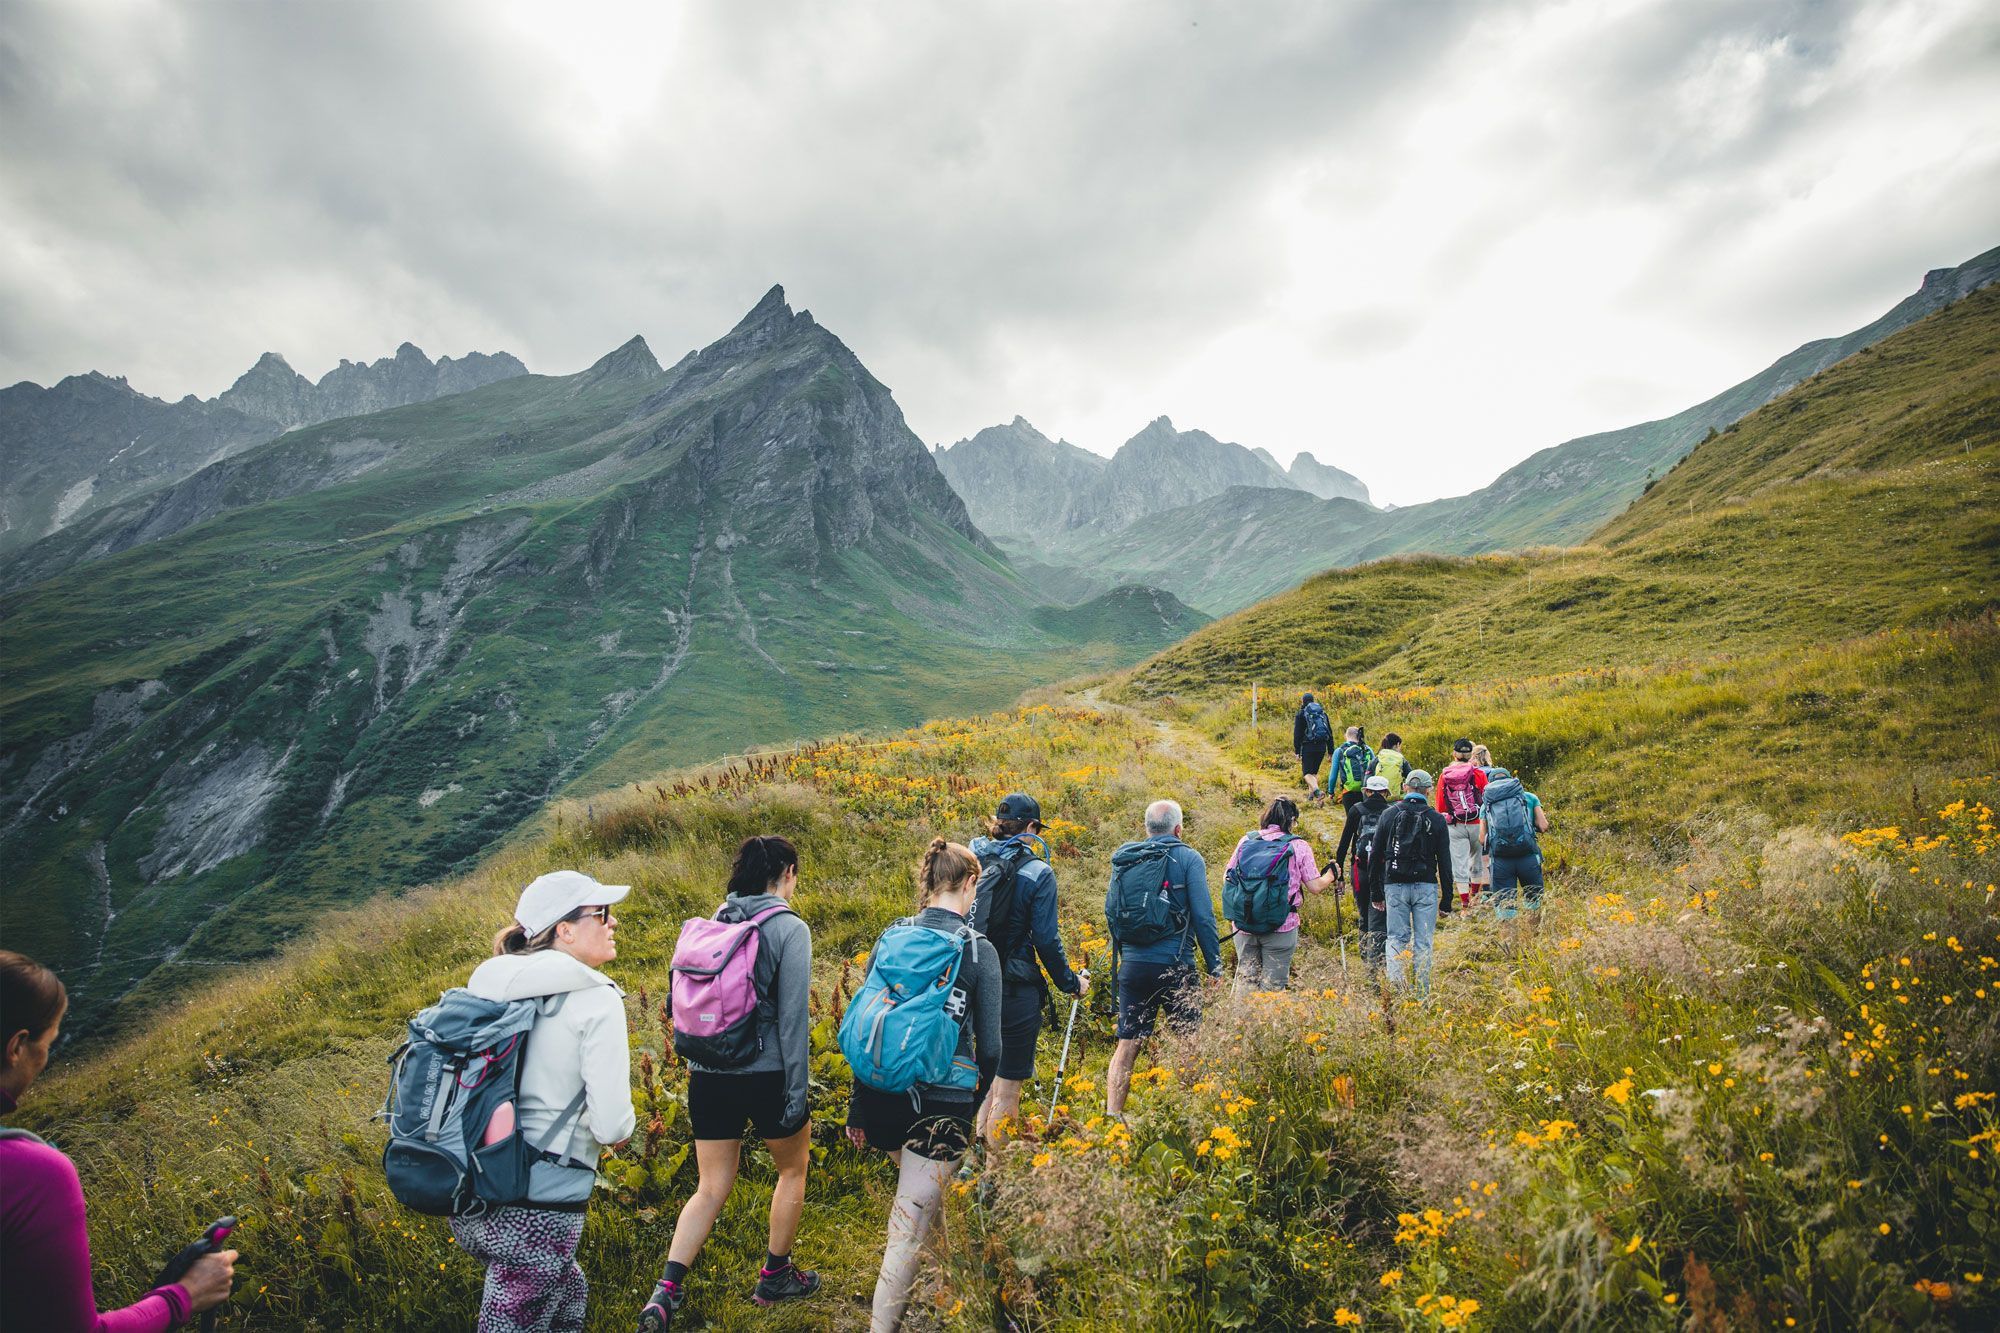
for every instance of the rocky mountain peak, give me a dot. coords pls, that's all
(770, 321)
(631, 359)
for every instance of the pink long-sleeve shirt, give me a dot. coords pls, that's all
(45, 1280)
(1303, 867)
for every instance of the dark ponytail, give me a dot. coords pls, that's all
(1284, 812)
(761, 862)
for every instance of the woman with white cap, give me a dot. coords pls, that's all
(563, 932)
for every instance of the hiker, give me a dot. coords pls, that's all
(1160, 973)
(45, 1275)
(1411, 864)
(1459, 786)
(575, 1098)
(1353, 762)
(1312, 732)
(926, 1127)
(1512, 818)
(1482, 759)
(1265, 882)
(1016, 909)
(1390, 763)
(754, 1074)
(1356, 853)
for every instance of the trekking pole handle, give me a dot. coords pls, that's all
(209, 1242)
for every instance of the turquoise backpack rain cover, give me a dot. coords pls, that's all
(901, 1031)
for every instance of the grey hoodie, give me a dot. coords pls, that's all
(784, 979)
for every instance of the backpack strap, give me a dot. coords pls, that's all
(10, 1132)
(563, 1130)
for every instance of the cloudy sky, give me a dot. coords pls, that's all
(1419, 239)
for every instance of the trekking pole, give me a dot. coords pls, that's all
(209, 1242)
(1055, 1093)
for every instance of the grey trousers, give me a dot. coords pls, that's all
(1264, 962)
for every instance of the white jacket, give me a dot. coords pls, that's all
(581, 1045)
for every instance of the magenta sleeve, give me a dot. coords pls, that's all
(46, 1263)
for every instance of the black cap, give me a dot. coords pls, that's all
(1461, 746)
(1019, 805)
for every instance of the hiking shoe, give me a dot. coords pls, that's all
(790, 1283)
(658, 1316)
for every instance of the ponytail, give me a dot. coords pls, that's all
(944, 867)
(1284, 812)
(761, 861)
(515, 938)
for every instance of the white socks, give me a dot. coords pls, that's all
(920, 1186)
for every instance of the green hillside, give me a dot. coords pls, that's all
(1743, 1075)
(1864, 500)
(1225, 552)
(357, 657)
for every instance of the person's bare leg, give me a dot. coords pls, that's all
(1003, 1103)
(715, 1162)
(1118, 1082)
(788, 1196)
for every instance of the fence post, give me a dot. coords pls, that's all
(1253, 705)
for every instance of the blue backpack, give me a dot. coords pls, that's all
(1510, 825)
(460, 1065)
(901, 1030)
(1257, 890)
(1318, 729)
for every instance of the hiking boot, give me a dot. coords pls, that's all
(658, 1316)
(790, 1283)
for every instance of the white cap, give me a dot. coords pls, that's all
(1377, 783)
(560, 892)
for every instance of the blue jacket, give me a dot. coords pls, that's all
(1184, 866)
(1035, 894)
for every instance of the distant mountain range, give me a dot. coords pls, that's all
(92, 440)
(1022, 487)
(357, 655)
(1179, 511)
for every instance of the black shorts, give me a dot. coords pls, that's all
(1020, 1028)
(1310, 758)
(1144, 988)
(938, 1131)
(719, 1105)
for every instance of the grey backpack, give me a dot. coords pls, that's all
(460, 1066)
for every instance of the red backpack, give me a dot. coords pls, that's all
(1458, 793)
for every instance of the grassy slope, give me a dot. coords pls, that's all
(1803, 1158)
(1863, 500)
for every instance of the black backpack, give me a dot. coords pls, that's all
(996, 912)
(1318, 729)
(1141, 906)
(1364, 836)
(1407, 860)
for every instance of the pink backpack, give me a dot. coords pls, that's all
(1458, 793)
(715, 999)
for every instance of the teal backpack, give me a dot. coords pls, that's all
(901, 1030)
(1257, 890)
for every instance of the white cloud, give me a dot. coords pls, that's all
(1421, 240)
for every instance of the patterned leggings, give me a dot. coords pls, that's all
(533, 1282)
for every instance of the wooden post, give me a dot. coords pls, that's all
(1253, 713)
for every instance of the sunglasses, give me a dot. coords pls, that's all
(602, 913)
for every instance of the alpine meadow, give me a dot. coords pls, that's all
(1742, 1071)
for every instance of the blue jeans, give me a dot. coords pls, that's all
(1413, 919)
